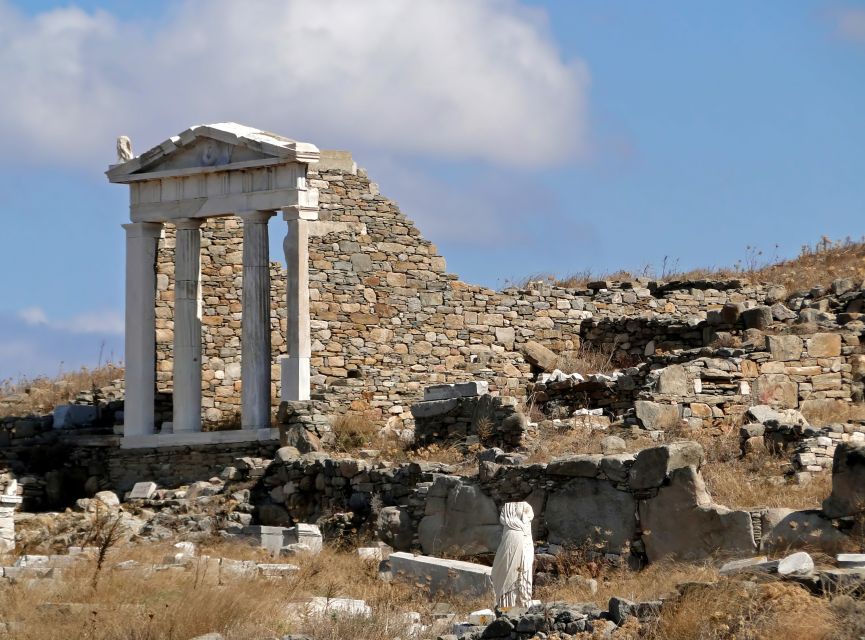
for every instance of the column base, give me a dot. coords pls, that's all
(294, 378)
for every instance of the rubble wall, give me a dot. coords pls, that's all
(387, 318)
(650, 505)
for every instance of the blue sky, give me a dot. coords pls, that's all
(522, 137)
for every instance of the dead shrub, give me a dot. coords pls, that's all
(353, 431)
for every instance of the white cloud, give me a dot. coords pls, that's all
(480, 79)
(107, 321)
(850, 23)
(33, 316)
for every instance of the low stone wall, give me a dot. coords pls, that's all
(54, 467)
(465, 413)
(650, 505)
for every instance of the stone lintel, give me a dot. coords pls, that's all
(200, 437)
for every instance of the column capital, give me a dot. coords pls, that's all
(260, 217)
(143, 229)
(300, 213)
(189, 223)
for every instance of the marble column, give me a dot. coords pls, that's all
(255, 348)
(187, 326)
(295, 365)
(140, 351)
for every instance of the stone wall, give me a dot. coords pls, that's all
(650, 505)
(387, 319)
(54, 468)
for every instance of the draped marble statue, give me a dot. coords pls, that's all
(512, 568)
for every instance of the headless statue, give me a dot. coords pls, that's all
(512, 568)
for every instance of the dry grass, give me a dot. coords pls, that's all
(819, 265)
(653, 582)
(38, 396)
(588, 359)
(353, 431)
(174, 604)
(757, 480)
(815, 265)
(576, 437)
(733, 610)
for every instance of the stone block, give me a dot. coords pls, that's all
(434, 408)
(442, 575)
(784, 348)
(851, 560)
(758, 563)
(785, 529)
(824, 345)
(759, 317)
(584, 465)
(538, 355)
(142, 491)
(652, 466)
(70, 416)
(653, 415)
(458, 390)
(585, 509)
(682, 523)
(460, 519)
(673, 380)
(776, 390)
(848, 481)
(763, 413)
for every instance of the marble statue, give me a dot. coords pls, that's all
(512, 568)
(124, 149)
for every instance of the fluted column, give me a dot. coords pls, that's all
(187, 326)
(140, 350)
(295, 366)
(255, 348)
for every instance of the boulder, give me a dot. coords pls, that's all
(538, 355)
(848, 481)
(585, 509)
(393, 526)
(796, 564)
(298, 437)
(612, 445)
(459, 519)
(652, 466)
(682, 523)
(108, 498)
(654, 416)
(782, 313)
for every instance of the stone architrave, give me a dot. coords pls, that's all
(515, 557)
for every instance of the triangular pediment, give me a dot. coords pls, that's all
(219, 147)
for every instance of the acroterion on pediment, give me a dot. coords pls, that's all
(223, 146)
